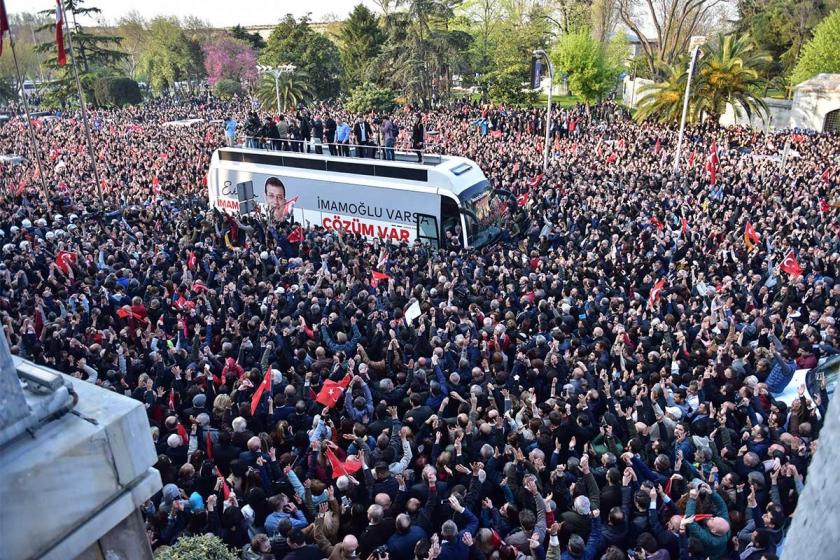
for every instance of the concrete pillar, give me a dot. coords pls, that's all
(815, 530)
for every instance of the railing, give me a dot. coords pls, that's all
(401, 153)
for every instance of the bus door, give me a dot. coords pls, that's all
(427, 230)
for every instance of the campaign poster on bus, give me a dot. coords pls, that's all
(371, 211)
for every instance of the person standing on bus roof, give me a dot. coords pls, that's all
(389, 137)
(283, 132)
(342, 137)
(330, 128)
(418, 134)
(270, 134)
(275, 196)
(230, 131)
(318, 134)
(363, 133)
(305, 131)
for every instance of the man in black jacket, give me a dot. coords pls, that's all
(362, 133)
(329, 130)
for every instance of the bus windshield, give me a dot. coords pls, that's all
(482, 214)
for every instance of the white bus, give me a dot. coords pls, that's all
(400, 201)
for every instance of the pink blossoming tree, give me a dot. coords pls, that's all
(226, 58)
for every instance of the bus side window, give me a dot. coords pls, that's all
(450, 217)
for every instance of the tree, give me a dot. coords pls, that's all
(293, 42)
(96, 54)
(170, 55)
(134, 34)
(505, 85)
(206, 547)
(226, 89)
(674, 22)
(361, 39)
(782, 27)
(290, 88)
(592, 67)
(116, 92)
(368, 97)
(254, 39)
(663, 100)
(230, 59)
(822, 53)
(730, 73)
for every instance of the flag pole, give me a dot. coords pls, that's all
(32, 138)
(60, 6)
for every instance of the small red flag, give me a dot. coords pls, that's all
(522, 199)
(182, 431)
(264, 386)
(655, 291)
(331, 391)
(691, 159)
(535, 181)
(375, 277)
(59, 33)
(655, 221)
(296, 235)
(209, 445)
(225, 487)
(790, 264)
(684, 225)
(64, 259)
(340, 468)
(824, 207)
(191, 260)
(826, 176)
(658, 146)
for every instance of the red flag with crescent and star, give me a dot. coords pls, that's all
(331, 391)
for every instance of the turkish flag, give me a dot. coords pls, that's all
(535, 181)
(64, 259)
(331, 391)
(655, 291)
(375, 277)
(59, 33)
(191, 260)
(225, 486)
(684, 226)
(296, 235)
(183, 303)
(522, 199)
(826, 176)
(655, 221)
(790, 265)
(264, 386)
(340, 468)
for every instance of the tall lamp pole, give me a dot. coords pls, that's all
(276, 72)
(696, 43)
(537, 54)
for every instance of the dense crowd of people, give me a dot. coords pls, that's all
(600, 386)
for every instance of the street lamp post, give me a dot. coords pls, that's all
(542, 53)
(276, 72)
(696, 42)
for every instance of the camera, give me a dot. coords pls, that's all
(382, 551)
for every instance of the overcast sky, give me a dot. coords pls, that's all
(220, 13)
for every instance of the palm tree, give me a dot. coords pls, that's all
(291, 88)
(731, 74)
(662, 101)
